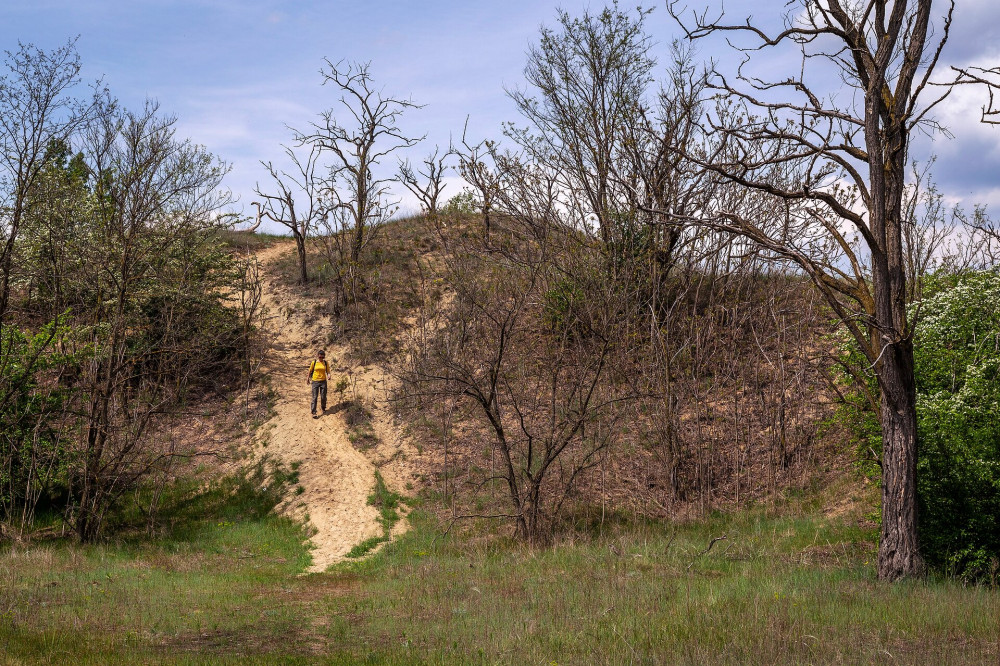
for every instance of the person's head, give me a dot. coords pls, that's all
(321, 355)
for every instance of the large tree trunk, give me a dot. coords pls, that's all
(887, 141)
(899, 551)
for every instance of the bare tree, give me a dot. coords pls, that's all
(336, 242)
(834, 168)
(655, 172)
(528, 193)
(357, 146)
(551, 403)
(477, 165)
(588, 79)
(252, 317)
(426, 184)
(302, 188)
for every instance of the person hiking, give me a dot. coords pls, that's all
(318, 370)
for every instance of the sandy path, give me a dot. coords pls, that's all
(337, 478)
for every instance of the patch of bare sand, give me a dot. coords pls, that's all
(336, 478)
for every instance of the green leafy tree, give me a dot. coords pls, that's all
(152, 319)
(958, 398)
(37, 421)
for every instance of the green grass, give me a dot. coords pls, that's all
(778, 589)
(222, 549)
(387, 503)
(366, 546)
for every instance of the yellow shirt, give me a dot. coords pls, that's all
(319, 369)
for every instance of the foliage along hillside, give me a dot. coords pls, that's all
(531, 382)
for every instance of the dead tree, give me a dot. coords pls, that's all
(988, 78)
(257, 220)
(795, 144)
(298, 204)
(476, 164)
(357, 146)
(426, 184)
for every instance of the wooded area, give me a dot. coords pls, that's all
(114, 307)
(662, 290)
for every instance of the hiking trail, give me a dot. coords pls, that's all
(336, 478)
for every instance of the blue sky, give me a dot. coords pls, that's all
(235, 73)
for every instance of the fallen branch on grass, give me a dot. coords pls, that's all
(705, 552)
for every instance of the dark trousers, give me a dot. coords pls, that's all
(319, 391)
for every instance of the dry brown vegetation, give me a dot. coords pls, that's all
(721, 401)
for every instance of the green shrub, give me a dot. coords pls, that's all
(957, 365)
(629, 245)
(387, 503)
(957, 355)
(463, 203)
(33, 431)
(563, 305)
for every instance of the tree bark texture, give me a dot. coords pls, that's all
(899, 549)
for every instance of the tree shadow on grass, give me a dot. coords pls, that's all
(187, 505)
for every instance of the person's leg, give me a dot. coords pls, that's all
(315, 394)
(322, 395)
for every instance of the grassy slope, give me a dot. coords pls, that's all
(224, 589)
(787, 585)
